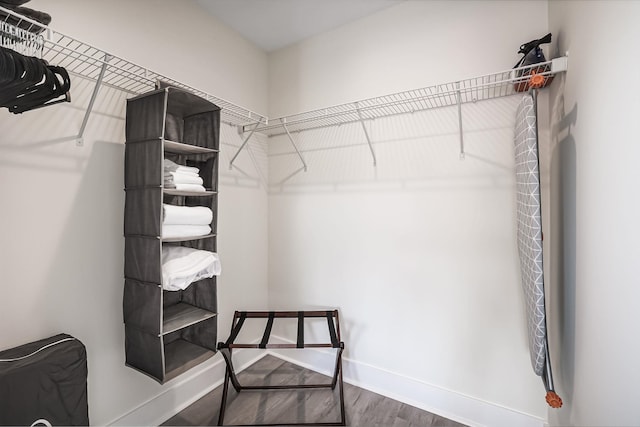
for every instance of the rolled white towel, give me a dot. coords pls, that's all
(182, 178)
(170, 166)
(196, 188)
(182, 266)
(180, 231)
(186, 215)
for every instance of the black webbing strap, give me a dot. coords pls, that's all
(267, 330)
(300, 343)
(236, 329)
(332, 330)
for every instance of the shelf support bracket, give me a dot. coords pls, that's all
(459, 97)
(233, 159)
(94, 95)
(366, 134)
(284, 126)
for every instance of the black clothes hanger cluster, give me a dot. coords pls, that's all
(27, 83)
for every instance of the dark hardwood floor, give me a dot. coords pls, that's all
(362, 407)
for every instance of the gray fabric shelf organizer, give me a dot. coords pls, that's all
(529, 237)
(167, 332)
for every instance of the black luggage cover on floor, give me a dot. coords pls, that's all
(44, 380)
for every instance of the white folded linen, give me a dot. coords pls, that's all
(168, 174)
(182, 266)
(186, 215)
(170, 166)
(196, 188)
(182, 178)
(190, 173)
(177, 230)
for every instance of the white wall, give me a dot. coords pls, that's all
(62, 210)
(418, 253)
(412, 45)
(594, 315)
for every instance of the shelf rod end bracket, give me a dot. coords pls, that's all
(560, 64)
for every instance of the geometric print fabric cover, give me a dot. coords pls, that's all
(529, 229)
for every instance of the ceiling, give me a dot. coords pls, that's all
(273, 24)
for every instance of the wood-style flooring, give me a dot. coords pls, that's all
(362, 407)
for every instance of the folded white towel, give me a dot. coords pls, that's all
(182, 266)
(186, 215)
(177, 230)
(170, 166)
(196, 188)
(168, 174)
(182, 178)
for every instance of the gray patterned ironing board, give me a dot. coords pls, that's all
(529, 235)
(529, 228)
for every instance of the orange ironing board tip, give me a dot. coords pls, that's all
(553, 399)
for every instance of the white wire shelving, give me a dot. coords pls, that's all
(475, 89)
(81, 59)
(86, 61)
(490, 86)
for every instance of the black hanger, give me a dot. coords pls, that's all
(23, 75)
(56, 84)
(7, 68)
(27, 83)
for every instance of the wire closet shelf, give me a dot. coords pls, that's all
(490, 86)
(86, 61)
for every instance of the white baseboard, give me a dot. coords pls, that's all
(449, 404)
(185, 391)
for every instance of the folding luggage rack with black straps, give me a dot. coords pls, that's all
(227, 347)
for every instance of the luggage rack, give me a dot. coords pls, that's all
(227, 347)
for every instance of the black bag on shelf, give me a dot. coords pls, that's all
(532, 54)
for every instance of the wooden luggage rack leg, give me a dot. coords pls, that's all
(226, 349)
